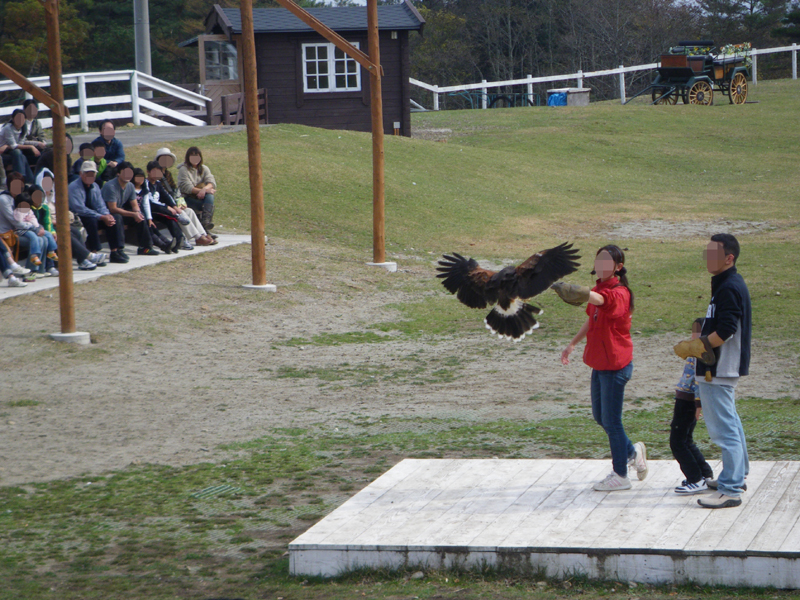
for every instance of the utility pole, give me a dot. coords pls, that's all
(141, 33)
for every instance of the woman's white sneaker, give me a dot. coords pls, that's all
(640, 462)
(612, 483)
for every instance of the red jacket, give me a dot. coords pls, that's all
(608, 342)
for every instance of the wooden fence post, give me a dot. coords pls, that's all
(622, 85)
(530, 88)
(436, 97)
(580, 79)
(484, 94)
(794, 61)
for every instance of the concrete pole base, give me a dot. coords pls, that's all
(389, 266)
(264, 288)
(78, 337)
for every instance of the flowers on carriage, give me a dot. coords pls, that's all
(737, 51)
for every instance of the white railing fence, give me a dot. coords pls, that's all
(579, 77)
(139, 83)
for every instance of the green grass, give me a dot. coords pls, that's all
(147, 532)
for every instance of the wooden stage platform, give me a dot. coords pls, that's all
(541, 516)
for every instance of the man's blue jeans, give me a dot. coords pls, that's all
(726, 431)
(608, 394)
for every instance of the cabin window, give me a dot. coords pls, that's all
(328, 69)
(220, 61)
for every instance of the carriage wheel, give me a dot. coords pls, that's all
(660, 96)
(701, 93)
(738, 89)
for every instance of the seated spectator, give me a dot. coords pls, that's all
(85, 152)
(12, 144)
(193, 230)
(143, 198)
(86, 202)
(46, 160)
(24, 212)
(34, 134)
(10, 269)
(115, 153)
(104, 172)
(198, 186)
(120, 198)
(44, 207)
(26, 236)
(3, 181)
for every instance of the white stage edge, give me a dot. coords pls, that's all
(542, 517)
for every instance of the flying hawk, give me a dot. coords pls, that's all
(509, 288)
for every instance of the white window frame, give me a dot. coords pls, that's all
(331, 74)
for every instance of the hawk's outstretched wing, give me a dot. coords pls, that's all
(464, 278)
(543, 269)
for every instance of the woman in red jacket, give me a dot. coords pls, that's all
(609, 352)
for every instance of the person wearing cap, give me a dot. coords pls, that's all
(193, 230)
(86, 202)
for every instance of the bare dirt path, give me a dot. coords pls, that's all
(184, 359)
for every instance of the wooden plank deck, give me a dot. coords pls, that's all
(537, 516)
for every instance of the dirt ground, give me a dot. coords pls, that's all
(184, 359)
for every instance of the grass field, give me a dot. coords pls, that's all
(504, 184)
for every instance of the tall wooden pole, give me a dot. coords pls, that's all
(376, 105)
(253, 145)
(65, 293)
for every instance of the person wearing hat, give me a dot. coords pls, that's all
(86, 202)
(193, 230)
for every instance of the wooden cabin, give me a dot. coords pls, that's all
(308, 80)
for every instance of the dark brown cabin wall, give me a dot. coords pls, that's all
(279, 64)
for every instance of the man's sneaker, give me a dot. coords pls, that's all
(122, 253)
(719, 500)
(87, 265)
(17, 269)
(640, 460)
(117, 256)
(687, 489)
(712, 484)
(14, 282)
(52, 272)
(147, 252)
(612, 483)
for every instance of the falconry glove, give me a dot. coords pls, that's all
(700, 348)
(571, 293)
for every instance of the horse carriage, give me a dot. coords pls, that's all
(692, 72)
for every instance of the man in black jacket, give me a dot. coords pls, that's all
(723, 353)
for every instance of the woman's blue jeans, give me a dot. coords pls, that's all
(608, 394)
(196, 204)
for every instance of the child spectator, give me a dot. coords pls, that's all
(684, 418)
(120, 198)
(115, 153)
(24, 214)
(86, 202)
(12, 144)
(85, 152)
(104, 173)
(198, 186)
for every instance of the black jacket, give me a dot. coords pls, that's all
(730, 316)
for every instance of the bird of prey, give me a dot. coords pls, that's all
(509, 288)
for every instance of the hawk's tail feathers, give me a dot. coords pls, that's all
(513, 325)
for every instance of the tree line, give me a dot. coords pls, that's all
(472, 40)
(463, 41)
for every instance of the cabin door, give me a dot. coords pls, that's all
(219, 67)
